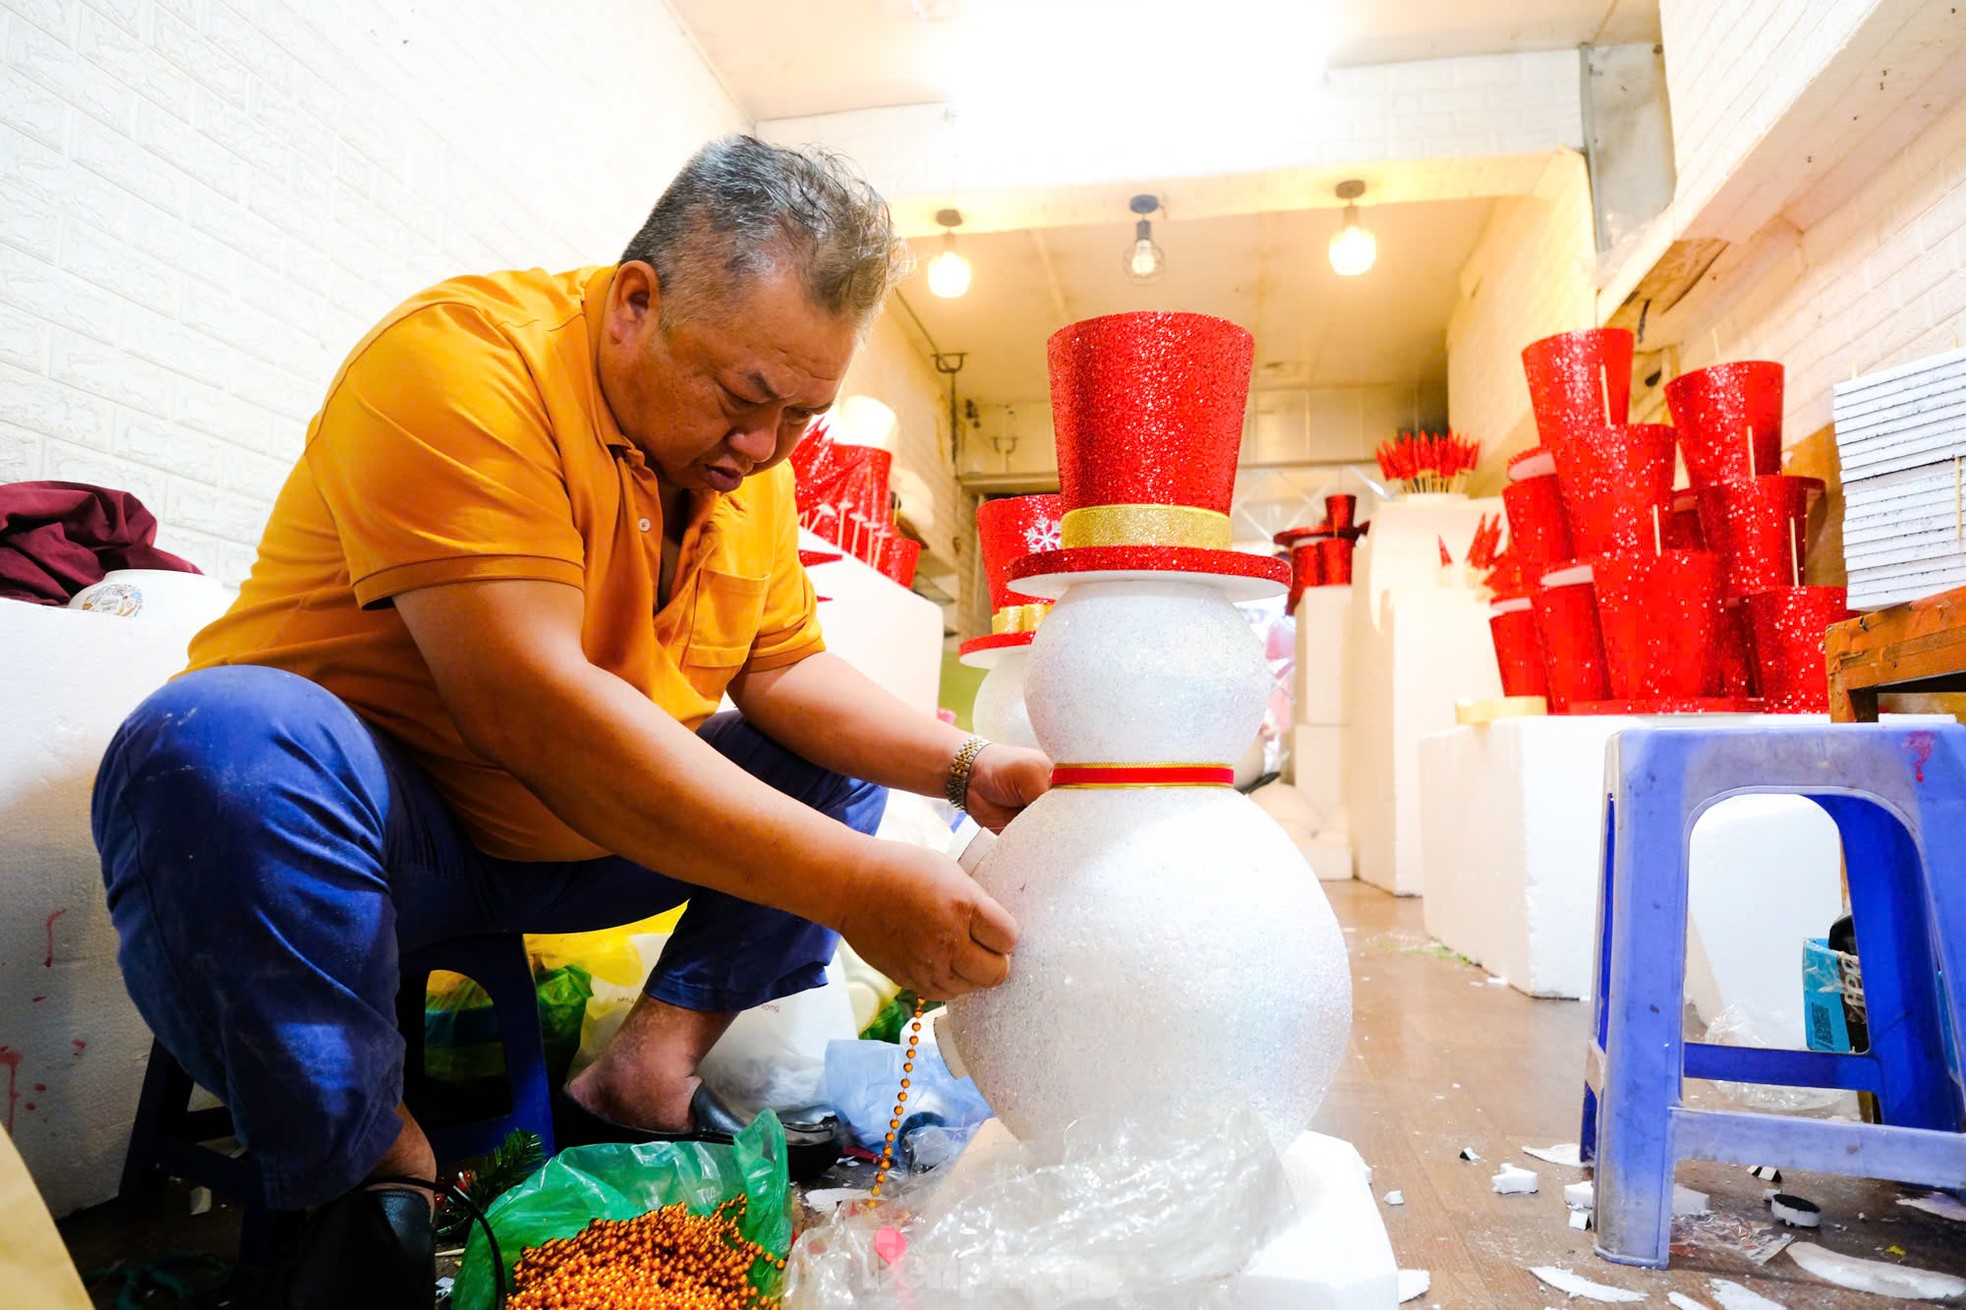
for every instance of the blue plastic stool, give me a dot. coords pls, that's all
(1898, 796)
(168, 1139)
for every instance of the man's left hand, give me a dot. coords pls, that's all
(1003, 780)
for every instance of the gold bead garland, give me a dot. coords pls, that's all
(900, 1098)
(667, 1259)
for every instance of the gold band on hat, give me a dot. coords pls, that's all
(1146, 525)
(1017, 618)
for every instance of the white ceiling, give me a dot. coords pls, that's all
(785, 60)
(1266, 271)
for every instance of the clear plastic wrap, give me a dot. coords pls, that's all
(1134, 1216)
(1733, 1027)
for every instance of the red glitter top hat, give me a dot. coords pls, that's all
(1148, 411)
(1011, 528)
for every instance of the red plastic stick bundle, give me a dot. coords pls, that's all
(1429, 461)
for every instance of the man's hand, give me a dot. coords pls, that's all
(1003, 780)
(919, 919)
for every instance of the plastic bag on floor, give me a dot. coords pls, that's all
(1129, 1215)
(1732, 1027)
(861, 1080)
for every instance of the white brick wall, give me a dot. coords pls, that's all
(1876, 282)
(204, 204)
(1531, 275)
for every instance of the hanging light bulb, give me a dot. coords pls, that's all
(1353, 249)
(1145, 261)
(948, 272)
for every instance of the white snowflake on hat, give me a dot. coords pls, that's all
(1043, 535)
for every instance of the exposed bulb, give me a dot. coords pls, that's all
(948, 275)
(1353, 249)
(1146, 259)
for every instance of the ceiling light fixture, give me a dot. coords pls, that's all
(1353, 249)
(1145, 261)
(948, 272)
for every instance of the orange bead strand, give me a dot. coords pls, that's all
(900, 1099)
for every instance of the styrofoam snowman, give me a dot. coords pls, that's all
(1009, 529)
(1175, 954)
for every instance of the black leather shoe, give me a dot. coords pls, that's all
(369, 1249)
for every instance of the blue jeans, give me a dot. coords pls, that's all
(267, 853)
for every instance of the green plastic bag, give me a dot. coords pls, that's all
(461, 1039)
(586, 1183)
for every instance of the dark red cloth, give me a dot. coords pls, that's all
(57, 538)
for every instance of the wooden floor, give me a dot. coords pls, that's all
(1440, 1061)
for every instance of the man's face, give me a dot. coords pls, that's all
(720, 394)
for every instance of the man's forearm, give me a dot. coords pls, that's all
(827, 711)
(671, 802)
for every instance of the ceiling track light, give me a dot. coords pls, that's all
(1143, 260)
(948, 272)
(1353, 249)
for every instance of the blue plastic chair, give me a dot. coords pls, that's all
(170, 1140)
(1898, 796)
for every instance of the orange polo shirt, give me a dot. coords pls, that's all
(466, 437)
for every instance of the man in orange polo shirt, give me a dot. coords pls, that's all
(540, 528)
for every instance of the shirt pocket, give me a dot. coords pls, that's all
(724, 619)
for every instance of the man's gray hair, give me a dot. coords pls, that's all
(742, 208)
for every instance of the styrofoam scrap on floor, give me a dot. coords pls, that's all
(1580, 1219)
(1580, 1196)
(1513, 1181)
(1795, 1211)
(1565, 1153)
(1685, 1302)
(825, 1200)
(1414, 1283)
(1686, 1202)
(1468, 1153)
(201, 1200)
(1395, 1198)
(1938, 1203)
(1861, 1275)
(1733, 1296)
(1571, 1285)
(1768, 1173)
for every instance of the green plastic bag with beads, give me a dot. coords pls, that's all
(619, 1181)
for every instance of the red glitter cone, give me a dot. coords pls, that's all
(1341, 512)
(1737, 680)
(1617, 487)
(1532, 463)
(1660, 616)
(1518, 650)
(1759, 527)
(1714, 410)
(1682, 529)
(1306, 570)
(1569, 375)
(1335, 561)
(1538, 528)
(1567, 632)
(1787, 626)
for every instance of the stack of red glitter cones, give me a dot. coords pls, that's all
(1620, 594)
(1321, 555)
(843, 497)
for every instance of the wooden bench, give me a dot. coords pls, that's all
(1919, 646)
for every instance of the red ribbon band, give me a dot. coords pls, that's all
(1142, 775)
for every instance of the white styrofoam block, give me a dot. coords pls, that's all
(1336, 1256)
(1429, 648)
(1512, 847)
(1766, 876)
(882, 629)
(1403, 548)
(1319, 764)
(70, 678)
(1319, 683)
(1330, 858)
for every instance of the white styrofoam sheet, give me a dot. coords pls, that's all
(1320, 686)
(882, 629)
(1319, 765)
(70, 678)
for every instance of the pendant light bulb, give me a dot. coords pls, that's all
(948, 272)
(1145, 261)
(1354, 249)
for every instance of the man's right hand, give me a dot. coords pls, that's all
(917, 917)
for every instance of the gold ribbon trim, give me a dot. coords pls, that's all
(1146, 525)
(1017, 618)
